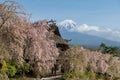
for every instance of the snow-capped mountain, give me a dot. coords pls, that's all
(67, 25)
(88, 35)
(103, 32)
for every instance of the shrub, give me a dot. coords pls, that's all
(26, 67)
(4, 66)
(92, 75)
(23, 69)
(11, 70)
(74, 75)
(71, 75)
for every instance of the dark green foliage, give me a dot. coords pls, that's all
(12, 62)
(24, 69)
(109, 49)
(52, 21)
(67, 40)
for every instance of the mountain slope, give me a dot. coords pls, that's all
(86, 40)
(90, 36)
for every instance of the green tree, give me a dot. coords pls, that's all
(108, 49)
(102, 45)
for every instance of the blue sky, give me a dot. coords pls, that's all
(102, 13)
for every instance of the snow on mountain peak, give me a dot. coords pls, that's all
(67, 25)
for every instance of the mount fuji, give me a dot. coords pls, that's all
(67, 25)
(82, 35)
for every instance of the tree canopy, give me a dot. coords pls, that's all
(108, 49)
(10, 10)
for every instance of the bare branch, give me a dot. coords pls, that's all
(9, 11)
